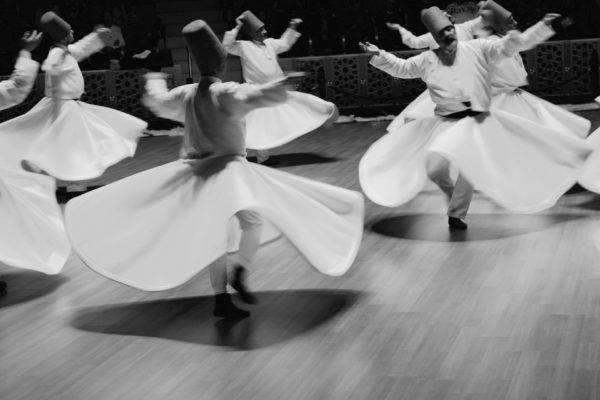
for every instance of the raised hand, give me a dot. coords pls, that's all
(31, 40)
(295, 22)
(105, 35)
(393, 26)
(548, 18)
(239, 22)
(369, 48)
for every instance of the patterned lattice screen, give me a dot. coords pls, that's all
(97, 88)
(551, 68)
(314, 83)
(117, 89)
(584, 67)
(129, 88)
(380, 87)
(344, 82)
(565, 70)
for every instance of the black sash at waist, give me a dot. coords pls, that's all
(462, 114)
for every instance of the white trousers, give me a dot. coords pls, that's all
(459, 193)
(251, 226)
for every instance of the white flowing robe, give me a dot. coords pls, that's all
(157, 229)
(63, 136)
(15, 89)
(501, 154)
(507, 75)
(301, 113)
(32, 234)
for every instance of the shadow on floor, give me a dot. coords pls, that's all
(591, 202)
(28, 285)
(279, 316)
(295, 159)
(434, 227)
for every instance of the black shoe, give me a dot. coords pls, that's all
(225, 308)
(2, 287)
(239, 284)
(457, 223)
(269, 162)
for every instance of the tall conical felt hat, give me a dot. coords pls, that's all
(205, 46)
(250, 23)
(499, 15)
(56, 27)
(435, 20)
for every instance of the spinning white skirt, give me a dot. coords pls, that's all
(517, 102)
(32, 233)
(521, 165)
(421, 107)
(275, 126)
(157, 229)
(528, 106)
(590, 178)
(80, 144)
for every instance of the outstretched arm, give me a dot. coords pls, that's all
(15, 89)
(89, 44)
(537, 33)
(414, 42)
(471, 27)
(515, 41)
(289, 37)
(229, 38)
(163, 102)
(243, 98)
(409, 68)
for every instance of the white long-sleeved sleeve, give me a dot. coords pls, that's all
(243, 98)
(120, 38)
(230, 43)
(417, 42)
(286, 41)
(15, 89)
(515, 41)
(54, 64)
(464, 31)
(169, 104)
(86, 46)
(467, 30)
(409, 68)
(536, 34)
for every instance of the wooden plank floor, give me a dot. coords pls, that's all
(508, 310)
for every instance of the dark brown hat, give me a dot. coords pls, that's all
(56, 27)
(435, 20)
(205, 46)
(250, 23)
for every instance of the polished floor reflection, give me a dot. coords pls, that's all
(509, 309)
